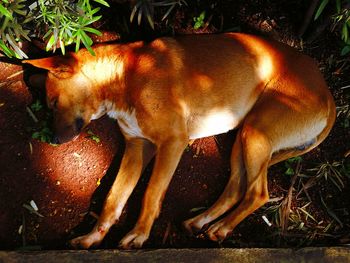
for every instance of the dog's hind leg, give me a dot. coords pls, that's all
(232, 194)
(138, 153)
(256, 151)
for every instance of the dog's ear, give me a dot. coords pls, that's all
(61, 67)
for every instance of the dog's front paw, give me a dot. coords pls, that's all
(134, 239)
(86, 241)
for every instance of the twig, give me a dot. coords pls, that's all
(24, 241)
(345, 87)
(275, 199)
(31, 114)
(286, 203)
(15, 74)
(166, 234)
(304, 188)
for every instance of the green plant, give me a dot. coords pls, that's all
(42, 130)
(66, 22)
(341, 20)
(13, 20)
(344, 112)
(43, 133)
(36, 106)
(93, 136)
(199, 21)
(331, 171)
(145, 9)
(290, 163)
(58, 22)
(297, 217)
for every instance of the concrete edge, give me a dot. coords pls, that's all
(317, 255)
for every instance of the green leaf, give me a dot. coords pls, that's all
(289, 171)
(102, 2)
(77, 43)
(92, 30)
(47, 33)
(36, 106)
(294, 159)
(5, 12)
(321, 8)
(4, 25)
(20, 12)
(87, 42)
(139, 17)
(150, 20)
(62, 46)
(197, 25)
(19, 53)
(94, 19)
(85, 38)
(94, 11)
(345, 32)
(134, 10)
(28, 19)
(345, 50)
(93, 136)
(8, 52)
(50, 43)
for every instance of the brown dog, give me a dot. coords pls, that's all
(169, 91)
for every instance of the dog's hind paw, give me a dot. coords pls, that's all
(195, 226)
(218, 231)
(134, 239)
(190, 227)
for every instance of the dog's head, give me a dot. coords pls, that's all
(70, 94)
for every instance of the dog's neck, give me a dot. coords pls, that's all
(105, 70)
(107, 73)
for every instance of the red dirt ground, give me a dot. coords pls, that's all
(69, 181)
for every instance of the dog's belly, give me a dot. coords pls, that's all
(212, 123)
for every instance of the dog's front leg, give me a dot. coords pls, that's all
(167, 158)
(138, 153)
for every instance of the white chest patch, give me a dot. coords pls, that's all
(215, 122)
(127, 122)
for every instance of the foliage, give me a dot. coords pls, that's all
(341, 20)
(199, 21)
(343, 113)
(13, 18)
(42, 130)
(309, 217)
(43, 133)
(93, 136)
(145, 9)
(289, 164)
(59, 22)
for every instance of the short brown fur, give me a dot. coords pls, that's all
(173, 90)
